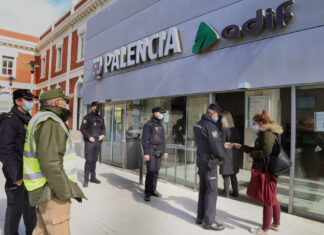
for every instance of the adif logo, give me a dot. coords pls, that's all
(265, 19)
(97, 68)
(206, 36)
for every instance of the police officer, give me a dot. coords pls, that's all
(13, 131)
(93, 130)
(210, 153)
(153, 142)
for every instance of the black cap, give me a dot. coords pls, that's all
(158, 109)
(215, 107)
(23, 93)
(97, 104)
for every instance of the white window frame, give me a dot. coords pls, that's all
(81, 46)
(13, 68)
(43, 67)
(59, 58)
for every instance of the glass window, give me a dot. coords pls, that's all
(43, 67)
(59, 58)
(81, 46)
(7, 65)
(309, 162)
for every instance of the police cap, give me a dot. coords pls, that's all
(158, 109)
(23, 93)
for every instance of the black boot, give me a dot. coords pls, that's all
(95, 180)
(156, 194)
(147, 197)
(85, 184)
(199, 221)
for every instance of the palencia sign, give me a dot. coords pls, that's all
(265, 19)
(153, 47)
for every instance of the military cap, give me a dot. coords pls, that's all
(53, 94)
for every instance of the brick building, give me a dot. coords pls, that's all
(59, 52)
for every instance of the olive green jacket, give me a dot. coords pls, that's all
(51, 142)
(264, 144)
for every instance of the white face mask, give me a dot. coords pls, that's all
(160, 117)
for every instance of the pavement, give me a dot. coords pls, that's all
(116, 207)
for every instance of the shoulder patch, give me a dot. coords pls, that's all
(215, 134)
(84, 121)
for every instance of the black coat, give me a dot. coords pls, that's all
(209, 141)
(13, 132)
(153, 135)
(93, 125)
(231, 161)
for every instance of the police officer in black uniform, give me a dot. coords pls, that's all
(153, 142)
(93, 130)
(210, 153)
(13, 131)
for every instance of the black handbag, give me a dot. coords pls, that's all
(278, 161)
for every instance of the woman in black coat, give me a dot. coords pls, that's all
(231, 162)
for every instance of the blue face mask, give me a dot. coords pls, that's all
(255, 128)
(28, 105)
(215, 119)
(160, 117)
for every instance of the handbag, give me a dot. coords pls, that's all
(262, 186)
(278, 162)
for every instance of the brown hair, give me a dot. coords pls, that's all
(263, 117)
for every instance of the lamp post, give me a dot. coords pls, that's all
(32, 65)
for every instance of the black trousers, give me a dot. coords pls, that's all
(234, 183)
(91, 154)
(153, 166)
(17, 206)
(208, 189)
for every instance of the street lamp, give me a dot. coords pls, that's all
(32, 65)
(11, 79)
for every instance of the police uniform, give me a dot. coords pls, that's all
(93, 125)
(210, 146)
(13, 127)
(153, 143)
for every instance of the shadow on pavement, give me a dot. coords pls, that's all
(137, 192)
(230, 221)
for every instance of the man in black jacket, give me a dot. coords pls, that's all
(153, 142)
(13, 132)
(210, 152)
(93, 130)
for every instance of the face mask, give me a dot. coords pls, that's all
(160, 117)
(215, 119)
(255, 128)
(28, 105)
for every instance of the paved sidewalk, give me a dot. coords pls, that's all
(116, 207)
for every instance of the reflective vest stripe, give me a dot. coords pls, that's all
(33, 177)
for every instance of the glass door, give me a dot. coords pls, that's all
(106, 147)
(118, 134)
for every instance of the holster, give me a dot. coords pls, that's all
(158, 150)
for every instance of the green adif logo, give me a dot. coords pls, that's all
(206, 37)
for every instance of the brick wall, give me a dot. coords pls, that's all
(73, 82)
(74, 51)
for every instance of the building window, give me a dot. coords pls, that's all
(59, 58)
(81, 46)
(7, 65)
(43, 67)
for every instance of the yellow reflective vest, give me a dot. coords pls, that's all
(32, 174)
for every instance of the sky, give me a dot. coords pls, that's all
(31, 17)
